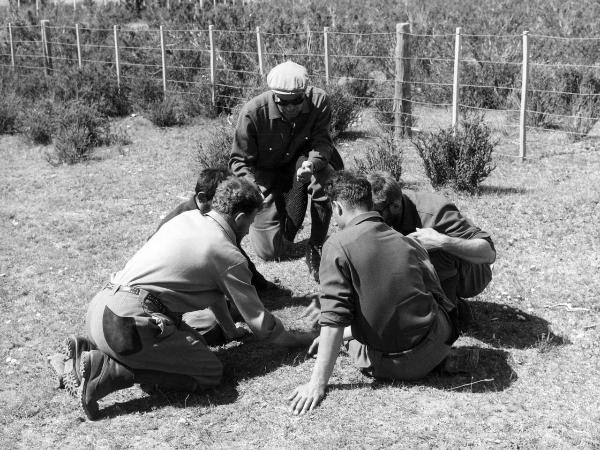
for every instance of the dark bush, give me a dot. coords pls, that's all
(214, 148)
(166, 113)
(461, 160)
(344, 109)
(80, 128)
(9, 114)
(145, 92)
(382, 155)
(39, 123)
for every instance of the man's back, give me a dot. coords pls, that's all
(379, 282)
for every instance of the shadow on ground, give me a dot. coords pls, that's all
(492, 374)
(249, 359)
(504, 326)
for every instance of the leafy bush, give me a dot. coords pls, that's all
(80, 128)
(382, 155)
(145, 92)
(214, 149)
(9, 114)
(166, 113)
(344, 109)
(462, 159)
(39, 123)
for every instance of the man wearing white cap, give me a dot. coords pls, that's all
(282, 143)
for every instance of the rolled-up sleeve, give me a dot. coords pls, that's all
(244, 152)
(320, 139)
(236, 284)
(337, 298)
(451, 222)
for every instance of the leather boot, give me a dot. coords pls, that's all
(74, 347)
(153, 381)
(100, 376)
(320, 213)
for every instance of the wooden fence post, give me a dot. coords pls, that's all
(78, 41)
(12, 47)
(455, 87)
(164, 61)
(74, 5)
(213, 58)
(402, 109)
(523, 118)
(46, 46)
(37, 8)
(117, 63)
(259, 46)
(326, 51)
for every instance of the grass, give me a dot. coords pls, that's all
(66, 228)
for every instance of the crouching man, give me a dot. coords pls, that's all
(192, 262)
(380, 293)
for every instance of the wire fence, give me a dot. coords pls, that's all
(397, 74)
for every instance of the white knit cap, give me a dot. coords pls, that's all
(287, 78)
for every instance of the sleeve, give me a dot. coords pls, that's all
(321, 142)
(337, 293)
(244, 152)
(451, 222)
(235, 282)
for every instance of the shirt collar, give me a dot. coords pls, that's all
(274, 112)
(370, 215)
(224, 224)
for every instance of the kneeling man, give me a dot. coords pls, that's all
(192, 262)
(380, 293)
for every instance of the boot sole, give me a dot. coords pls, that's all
(71, 379)
(90, 409)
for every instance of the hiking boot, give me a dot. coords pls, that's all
(313, 259)
(100, 376)
(74, 347)
(461, 360)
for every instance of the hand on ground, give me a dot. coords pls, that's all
(305, 397)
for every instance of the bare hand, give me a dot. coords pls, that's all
(305, 172)
(313, 311)
(305, 398)
(429, 238)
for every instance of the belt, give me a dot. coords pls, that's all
(149, 297)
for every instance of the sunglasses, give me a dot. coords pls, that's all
(293, 101)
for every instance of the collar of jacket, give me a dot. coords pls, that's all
(224, 224)
(370, 215)
(274, 112)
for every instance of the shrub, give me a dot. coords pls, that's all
(461, 160)
(382, 155)
(80, 128)
(166, 113)
(214, 149)
(344, 110)
(9, 114)
(145, 92)
(39, 123)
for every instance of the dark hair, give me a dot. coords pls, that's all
(386, 190)
(208, 180)
(352, 189)
(236, 195)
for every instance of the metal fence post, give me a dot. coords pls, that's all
(12, 47)
(212, 62)
(455, 87)
(46, 46)
(164, 61)
(326, 52)
(117, 62)
(523, 115)
(78, 40)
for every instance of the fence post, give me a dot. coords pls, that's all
(326, 51)
(402, 110)
(78, 40)
(117, 64)
(12, 47)
(164, 61)
(455, 88)
(74, 5)
(261, 67)
(37, 8)
(523, 118)
(46, 47)
(212, 62)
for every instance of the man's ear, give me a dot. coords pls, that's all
(337, 206)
